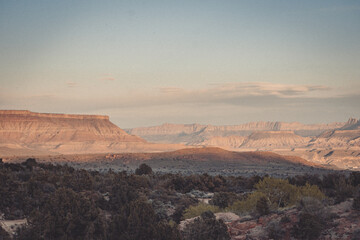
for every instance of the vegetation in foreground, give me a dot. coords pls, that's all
(60, 202)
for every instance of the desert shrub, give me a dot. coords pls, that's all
(194, 211)
(302, 180)
(312, 206)
(206, 227)
(279, 192)
(354, 178)
(262, 207)
(4, 235)
(356, 235)
(180, 207)
(223, 199)
(137, 220)
(121, 193)
(285, 219)
(246, 206)
(312, 191)
(309, 227)
(356, 203)
(66, 215)
(275, 231)
(143, 169)
(343, 190)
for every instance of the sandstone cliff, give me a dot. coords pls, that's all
(30, 127)
(274, 139)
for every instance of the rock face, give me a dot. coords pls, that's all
(257, 135)
(28, 132)
(274, 139)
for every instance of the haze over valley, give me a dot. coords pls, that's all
(179, 120)
(25, 133)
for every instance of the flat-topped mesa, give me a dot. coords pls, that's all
(26, 113)
(25, 127)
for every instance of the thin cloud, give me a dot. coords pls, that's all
(170, 90)
(71, 84)
(107, 78)
(341, 9)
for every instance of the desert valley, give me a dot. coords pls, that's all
(180, 120)
(195, 181)
(25, 133)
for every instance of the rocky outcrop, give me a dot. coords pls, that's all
(351, 124)
(274, 140)
(227, 142)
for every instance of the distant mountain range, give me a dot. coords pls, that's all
(257, 135)
(335, 144)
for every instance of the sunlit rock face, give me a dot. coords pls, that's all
(30, 127)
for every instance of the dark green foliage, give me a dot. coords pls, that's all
(143, 169)
(4, 235)
(275, 231)
(183, 204)
(309, 227)
(138, 221)
(356, 203)
(61, 202)
(356, 235)
(343, 190)
(121, 194)
(301, 180)
(262, 206)
(206, 227)
(66, 215)
(223, 199)
(30, 163)
(355, 178)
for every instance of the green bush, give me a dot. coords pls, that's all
(262, 207)
(194, 211)
(312, 191)
(206, 227)
(143, 169)
(223, 199)
(246, 206)
(277, 193)
(356, 203)
(309, 227)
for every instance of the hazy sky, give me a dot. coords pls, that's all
(149, 62)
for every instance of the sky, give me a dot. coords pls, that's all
(145, 63)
